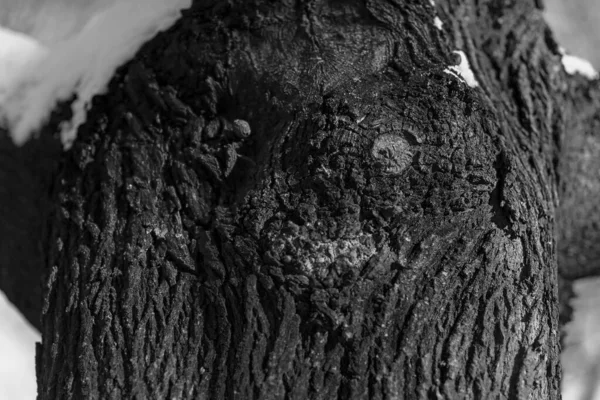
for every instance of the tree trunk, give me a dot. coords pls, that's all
(298, 201)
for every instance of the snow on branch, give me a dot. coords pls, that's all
(576, 65)
(462, 70)
(35, 76)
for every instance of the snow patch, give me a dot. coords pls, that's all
(463, 70)
(438, 23)
(581, 352)
(576, 65)
(17, 346)
(34, 78)
(17, 51)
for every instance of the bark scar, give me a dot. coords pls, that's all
(392, 152)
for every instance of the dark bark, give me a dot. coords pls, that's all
(26, 176)
(384, 231)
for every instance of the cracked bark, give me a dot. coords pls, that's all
(296, 201)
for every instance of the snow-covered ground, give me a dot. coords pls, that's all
(17, 354)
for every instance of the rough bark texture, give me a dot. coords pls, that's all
(294, 200)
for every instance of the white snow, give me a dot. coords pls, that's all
(438, 23)
(576, 65)
(581, 355)
(16, 52)
(463, 70)
(17, 354)
(37, 77)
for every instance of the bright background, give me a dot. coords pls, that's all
(17, 354)
(576, 25)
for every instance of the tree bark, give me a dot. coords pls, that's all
(280, 200)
